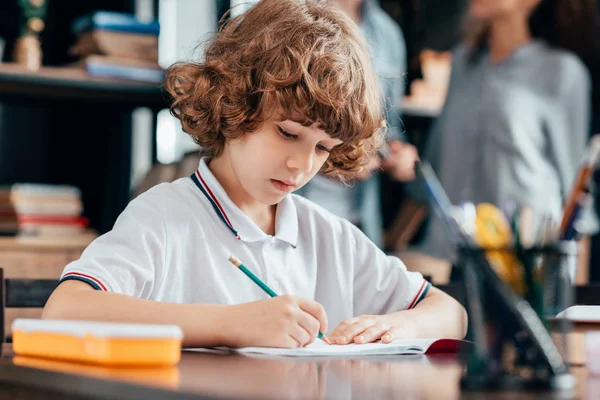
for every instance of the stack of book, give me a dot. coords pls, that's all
(118, 45)
(9, 226)
(41, 210)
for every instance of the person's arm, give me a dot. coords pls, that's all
(75, 300)
(393, 303)
(283, 321)
(437, 315)
(568, 131)
(397, 89)
(401, 155)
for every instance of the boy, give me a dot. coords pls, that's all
(285, 91)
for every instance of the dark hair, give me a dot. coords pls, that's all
(566, 24)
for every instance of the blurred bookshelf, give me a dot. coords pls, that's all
(60, 126)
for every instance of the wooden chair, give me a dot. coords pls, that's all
(22, 293)
(409, 218)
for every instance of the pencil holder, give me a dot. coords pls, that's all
(512, 298)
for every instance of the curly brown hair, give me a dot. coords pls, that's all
(292, 57)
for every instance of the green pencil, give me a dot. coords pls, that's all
(235, 261)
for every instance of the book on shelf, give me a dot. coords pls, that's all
(40, 209)
(52, 227)
(114, 21)
(117, 44)
(122, 68)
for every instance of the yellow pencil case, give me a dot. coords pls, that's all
(166, 376)
(105, 343)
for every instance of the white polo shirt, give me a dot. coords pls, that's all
(172, 244)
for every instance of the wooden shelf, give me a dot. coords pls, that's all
(74, 84)
(58, 243)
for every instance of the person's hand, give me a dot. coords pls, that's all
(282, 321)
(370, 328)
(368, 170)
(400, 162)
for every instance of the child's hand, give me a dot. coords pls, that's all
(370, 328)
(282, 321)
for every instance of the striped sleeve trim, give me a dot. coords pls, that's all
(90, 280)
(420, 294)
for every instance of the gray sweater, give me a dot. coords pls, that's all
(510, 131)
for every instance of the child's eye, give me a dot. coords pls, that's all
(323, 148)
(286, 134)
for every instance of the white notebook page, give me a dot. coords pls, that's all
(320, 348)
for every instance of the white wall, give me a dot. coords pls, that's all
(184, 25)
(239, 6)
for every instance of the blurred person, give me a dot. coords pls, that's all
(516, 119)
(359, 201)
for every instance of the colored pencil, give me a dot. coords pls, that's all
(236, 262)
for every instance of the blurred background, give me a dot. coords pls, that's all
(84, 126)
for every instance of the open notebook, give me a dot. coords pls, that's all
(322, 349)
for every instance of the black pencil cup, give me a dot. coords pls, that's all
(512, 298)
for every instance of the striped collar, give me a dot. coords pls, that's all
(234, 219)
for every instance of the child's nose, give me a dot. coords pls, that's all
(301, 161)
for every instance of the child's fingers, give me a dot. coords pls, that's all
(373, 333)
(291, 342)
(310, 324)
(348, 334)
(301, 335)
(341, 327)
(396, 333)
(388, 336)
(316, 310)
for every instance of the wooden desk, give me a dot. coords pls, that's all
(201, 375)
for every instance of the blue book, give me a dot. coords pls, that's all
(114, 21)
(124, 69)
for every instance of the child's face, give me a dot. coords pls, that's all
(279, 158)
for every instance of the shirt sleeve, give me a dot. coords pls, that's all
(382, 284)
(568, 132)
(397, 90)
(125, 259)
